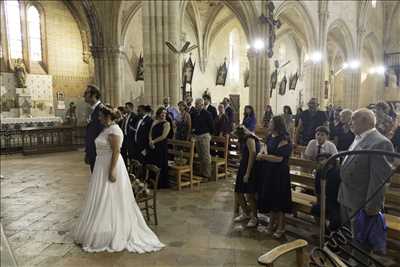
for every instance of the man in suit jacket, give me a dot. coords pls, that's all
(362, 175)
(229, 113)
(189, 102)
(94, 127)
(141, 143)
(128, 128)
(209, 107)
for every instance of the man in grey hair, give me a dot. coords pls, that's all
(202, 128)
(361, 175)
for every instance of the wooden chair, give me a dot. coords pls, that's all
(135, 168)
(219, 161)
(150, 200)
(299, 245)
(183, 173)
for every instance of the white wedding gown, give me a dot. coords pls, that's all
(111, 219)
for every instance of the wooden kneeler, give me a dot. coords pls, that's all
(299, 245)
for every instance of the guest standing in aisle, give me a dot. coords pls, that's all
(273, 177)
(158, 152)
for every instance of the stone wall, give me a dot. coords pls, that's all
(65, 56)
(219, 49)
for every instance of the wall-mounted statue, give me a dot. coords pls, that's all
(20, 73)
(246, 78)
(140, 69)
(272, 24)
(70, 115)
(222, 72)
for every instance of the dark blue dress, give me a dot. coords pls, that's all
(159, 155)
(251, 185)
(273, 178)
(250, 123)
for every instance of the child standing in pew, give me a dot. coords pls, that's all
(332, 189)
(245, 185)
(320, 145)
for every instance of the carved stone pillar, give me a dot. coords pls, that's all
(160, 24)
(107, 61)
(259, 81)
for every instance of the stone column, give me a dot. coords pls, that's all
(160, 24)
(259, 81)
(107, 61)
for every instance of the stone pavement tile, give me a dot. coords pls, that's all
(57, 249)
(32, 247)
(41, 260)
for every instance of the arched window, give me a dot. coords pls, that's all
(14, 34)
(234, 71)
(34, 34)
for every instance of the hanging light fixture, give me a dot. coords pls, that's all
(373, 2)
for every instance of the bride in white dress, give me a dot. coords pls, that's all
(111, 219)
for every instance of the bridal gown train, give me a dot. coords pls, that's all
(111, 219)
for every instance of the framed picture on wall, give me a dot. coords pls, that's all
(222, 72)
(274, 79)
(188, 70)
(282, 86)
(293, 81)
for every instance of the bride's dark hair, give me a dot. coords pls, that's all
(108, 110)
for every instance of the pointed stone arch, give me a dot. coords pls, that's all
(309, 28)
(345, 38)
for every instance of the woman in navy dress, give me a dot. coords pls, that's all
(245, 186)
(158, 153)
(272, 172)
(249, 120)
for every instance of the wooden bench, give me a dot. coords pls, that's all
(183, 173)
(304, 202)
(233, 153)
(298, 151)
(219, 161)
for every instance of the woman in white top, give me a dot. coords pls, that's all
(111, 219)
(320, 145)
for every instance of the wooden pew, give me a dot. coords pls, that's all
(182, 173)
(304, 202)
(219, 161)
(233, 153)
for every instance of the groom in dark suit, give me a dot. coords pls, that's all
(94, 127)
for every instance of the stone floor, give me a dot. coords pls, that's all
(41, 197)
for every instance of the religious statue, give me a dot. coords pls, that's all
(272, 23)
(140, 69)
(70, 115)
(20, 73)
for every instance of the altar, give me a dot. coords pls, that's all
(28, 106)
